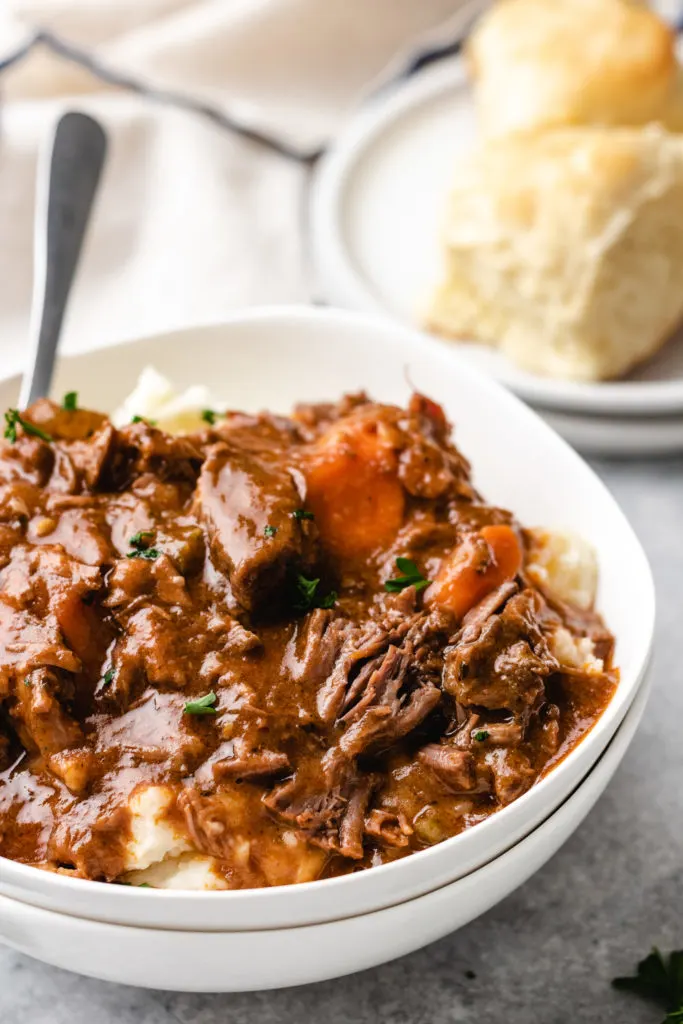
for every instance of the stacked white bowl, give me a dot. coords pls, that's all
(257, 939)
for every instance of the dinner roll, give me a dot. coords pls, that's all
(565, 249)
(540, 63)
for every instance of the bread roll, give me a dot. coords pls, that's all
(543, 63)
(565, 249)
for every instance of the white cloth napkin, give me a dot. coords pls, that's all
(191, 220)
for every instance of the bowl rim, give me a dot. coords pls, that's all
(23, 875)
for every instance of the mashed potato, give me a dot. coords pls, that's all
(153, 837)
(154, 398)
(565, 564)
(575, 652)
(189, 871)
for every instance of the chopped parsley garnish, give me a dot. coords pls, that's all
(269, 531)
(209, 416)
(659, 978)
(202, 705)
(13, 418)
(139, 539)
(143, 419)
(108, 677)
(139, 542)
(480, 735)
(27, 680)
(410, 577)
(70, 401)
(149, 553)
(308, 595)
(302, 513)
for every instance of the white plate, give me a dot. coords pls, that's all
(608, 435)
(377, 203)
(273, 358)
(247, 961)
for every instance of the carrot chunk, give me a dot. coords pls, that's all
(77, 624)
(353, 489)
(484, 561)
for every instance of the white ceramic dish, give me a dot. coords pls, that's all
(618, 436)
(247, 961)
(273, 359)
(376, 209)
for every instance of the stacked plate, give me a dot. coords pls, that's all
(288, 935)
(377, 205)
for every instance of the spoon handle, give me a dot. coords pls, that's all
(63, 203)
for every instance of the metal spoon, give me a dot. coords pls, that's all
(64, 199)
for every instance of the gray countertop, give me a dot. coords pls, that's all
(545, 954)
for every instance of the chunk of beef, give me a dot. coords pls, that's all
(332, 818)
(153, 579)
(250, 764)
(81, 531)
(90, 457)
(143, 450)
(240, 495)
(512, 773)
(42, 606)
(364, 647)
(64, 424)
(44, 725)
(316, 647)
(394, 701)
(502, 662)
(28, 460)
(455, 767)
(388, 828)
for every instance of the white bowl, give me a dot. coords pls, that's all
(246, 961)
(272, 359)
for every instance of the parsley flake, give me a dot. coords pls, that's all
(149, 553)
(661, 979)
(139, 542)
(410, 577)
(480, 735)
(139, 539)
(269, 531)
(108, 677)
(209, 416)
(302, 513)
(143, 419)
(308, 597)
(70, 401)
(14, 419)
(202, 705)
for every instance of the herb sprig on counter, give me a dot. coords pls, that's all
(410, 576)
(202, 705)
(660, 979)
(14, 419)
